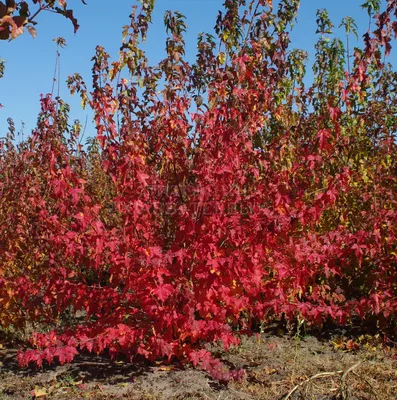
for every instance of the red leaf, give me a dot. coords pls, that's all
(323, 136)
(164, 291)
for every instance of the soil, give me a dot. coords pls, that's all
(277, 367)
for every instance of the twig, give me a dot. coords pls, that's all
(344, 393)
(100, 388)
(322, 375)
(40, 9)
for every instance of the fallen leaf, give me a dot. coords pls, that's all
(166, 368)
(270, 371)
(38, 393)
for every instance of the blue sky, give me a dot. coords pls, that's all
(30, 62)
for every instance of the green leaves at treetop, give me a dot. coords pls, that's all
(350, 26)
(372, 7)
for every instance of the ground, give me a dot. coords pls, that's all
(277, 367)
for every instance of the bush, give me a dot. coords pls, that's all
(237, 196)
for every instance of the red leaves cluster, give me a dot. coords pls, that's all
(174, 229)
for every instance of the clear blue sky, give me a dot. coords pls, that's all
(30, 62)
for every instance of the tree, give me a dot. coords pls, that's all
(215, 197)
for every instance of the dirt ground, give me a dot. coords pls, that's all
(277, 367)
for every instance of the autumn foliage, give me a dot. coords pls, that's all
(15, 16)
(216, 196)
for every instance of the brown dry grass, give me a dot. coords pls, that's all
(275, 365)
